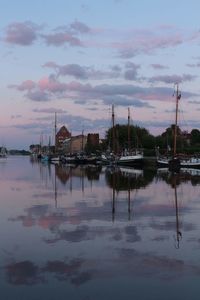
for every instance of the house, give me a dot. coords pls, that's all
(61, 136)
(75, 144)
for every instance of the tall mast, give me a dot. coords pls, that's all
(82, 140)
(178, 97)
(128, 129)
(113, 129)
(55, 131)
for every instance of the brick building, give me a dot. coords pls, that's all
(93, 139)
(61, 136)
(75, 144)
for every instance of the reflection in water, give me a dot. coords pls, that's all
(178, 232)
(70, 231)
(174, 180)
(128, 178)
(184, 175)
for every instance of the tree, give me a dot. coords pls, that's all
(195, 137)
(138, 138)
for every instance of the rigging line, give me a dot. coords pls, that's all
(184, 120)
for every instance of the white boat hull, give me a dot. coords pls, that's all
(184, 163)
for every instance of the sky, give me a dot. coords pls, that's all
(79, 57)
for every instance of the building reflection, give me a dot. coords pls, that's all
(65, 172)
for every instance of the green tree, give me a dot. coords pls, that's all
(195, 137)
(117, 137)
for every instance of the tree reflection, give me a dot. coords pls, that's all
(128, 178)
(183, 176)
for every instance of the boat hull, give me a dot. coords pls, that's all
(190, 163)
(128, 160)
(131, 160)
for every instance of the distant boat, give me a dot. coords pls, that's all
(128, 157)
(3, 153)
(176, 161)
(80, 159)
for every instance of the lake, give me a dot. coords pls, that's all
(95, 232)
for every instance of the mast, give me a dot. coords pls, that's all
(178, 97)
(128, 129)
(82, 140)
(55, 131)
(113, 129)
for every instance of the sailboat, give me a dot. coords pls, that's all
(127, 157)
(3, 153)
(54, 158)
(110, 157)
(130, 157)
(176, 161)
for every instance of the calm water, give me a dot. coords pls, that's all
(97, 233)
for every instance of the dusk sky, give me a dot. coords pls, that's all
(79, 57)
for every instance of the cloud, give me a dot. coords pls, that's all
(49, 110)
(131, 72)
(80, 27)
(159, 67)
(38, 96)
(61, 38)
(125, 101)
(50, 88)
(43, 90)
(194, 102)
(197, 65)
(73, 70)
(128, 43)
(25, 85)
(23, 34)
(172, 79)
(16, 116)
(83, 72)
(147, 42)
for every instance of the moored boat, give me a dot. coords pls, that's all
(175, 161)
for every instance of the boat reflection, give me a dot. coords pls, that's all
(125, 179)
(129, 173)
(117, 225)
(184, 175)
(123, 183)
(175, 180)
(128, 178)
(178, 236)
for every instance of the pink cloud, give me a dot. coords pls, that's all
(159, 67)
(147, 44)
(51, 85)
(84, 72)
(24, 86)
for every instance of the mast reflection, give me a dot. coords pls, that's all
(124, 179)
(178, 236)
(175, 180)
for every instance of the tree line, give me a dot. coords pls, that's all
(121, 137)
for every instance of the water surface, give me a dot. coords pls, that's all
(92, 232)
